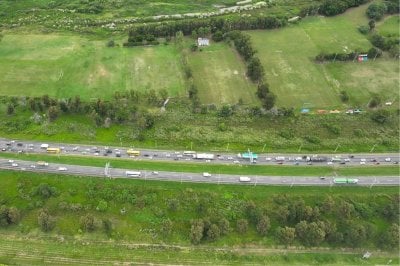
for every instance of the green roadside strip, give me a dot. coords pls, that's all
(274, 170)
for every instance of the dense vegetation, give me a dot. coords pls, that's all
(184, 213)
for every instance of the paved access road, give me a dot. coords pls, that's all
(19, 165)
(342, 160)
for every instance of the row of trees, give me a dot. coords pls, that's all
(352, 56)
(377, 10)
(224, 24)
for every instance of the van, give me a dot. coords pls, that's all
(206, 175)
(244, 179)
(44, 146)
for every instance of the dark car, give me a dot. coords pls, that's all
(118, 155)
(19, 144)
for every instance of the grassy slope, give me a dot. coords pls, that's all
(389, 26)
(65, 66)
(213, 168)
(141, 224)
(220, 75)
(297, 79)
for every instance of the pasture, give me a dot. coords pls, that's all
(65, 66)
(220, 75)
(288, 58)
(389, 27)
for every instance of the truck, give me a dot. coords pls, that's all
(44, 146)
(341, 180)
(133, 174)
(42, 163)
(206, 174)
(244, 179)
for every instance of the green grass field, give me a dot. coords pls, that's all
(389, 26)
(298, 80)
(220, 75)
(66, 66)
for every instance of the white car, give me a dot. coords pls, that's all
(10, 161)
(62, 168)
(207, 161)
(244, 179)
(388, 159)
(154, 173)
(347, 160)
(33, 166)
(330, 163)
(206, 175)
(236, 162)
(268, 159)
(14, 165)
(362, 162)
(75, 148)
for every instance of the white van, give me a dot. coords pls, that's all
(206, 175)
(133, 174)
(244, 179)
(44, 146)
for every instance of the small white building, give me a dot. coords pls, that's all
(203, 42)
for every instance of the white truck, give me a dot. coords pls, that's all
(244, 179)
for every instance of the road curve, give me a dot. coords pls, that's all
(19, 165)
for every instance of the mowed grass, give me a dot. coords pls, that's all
(390, 27)
(288, 57)
(220, 75)
(65, 66)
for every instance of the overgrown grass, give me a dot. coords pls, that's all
(389, 27)
(275, 170)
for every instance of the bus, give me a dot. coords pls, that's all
(345, 180)
(133, 174)
(131, 152)
(53, 150)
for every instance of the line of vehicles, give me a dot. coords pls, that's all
(200, 156)
(138, 174)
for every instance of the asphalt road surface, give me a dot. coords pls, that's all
(338, 159)
(19, 165)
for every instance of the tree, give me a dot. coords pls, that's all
(173, 205)
(226, 111)
(107, 226)
(46, 100)
(344, 96)
(269, 101)
(255, 70)
(262, 90)
(378, 41)
(224, 226)
(242, 225)
(346, 210)
(10, 109)
(381, 116)
(110, 43)
(371, 24)
(374, 52)
(13, 215)
(391, 237)
(213, 233)
(375, 101)
(310, 234)
(263, 225)
(376, 11)
(44, 191)
(166, 226)
(196, 231)
(52, 113)
(286, 235)
(218, 36)
(355, 234)
(45, 220)
(102, 206)
(87, 222)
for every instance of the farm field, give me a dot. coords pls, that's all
(66, 66)
(299, 81)
(220, 76)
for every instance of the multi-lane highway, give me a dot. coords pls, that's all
(338, 159)
(19, 165)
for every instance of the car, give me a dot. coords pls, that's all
(309, 163)
(176, 159)
(396, 162)
(167, 155)
(362, 162)
(347, 160)
(19, 144)
(207, 161)
(296, 163)
(236, 161)
(32, 166)
(187, 159)
(62, 148)
(373, 160)
(230, 158)
(205, 174)
(23, 168)
(10, 161)
(330, 163)
(322, 177)
(118, 155)
(388, 159)
(97, 153)
(244, 179)
(3, 149)
(14, 165)
(155, 155)
(146, 155)
(154, 173)
(61, 168)
(268, 159)
(179, 155)
(342, 162)
(75, 148)
(280, 162)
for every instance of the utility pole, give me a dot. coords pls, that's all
(373, 148)
(337, 147)
(264, 148)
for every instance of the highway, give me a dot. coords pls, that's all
(338, 159)
(28, 166)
